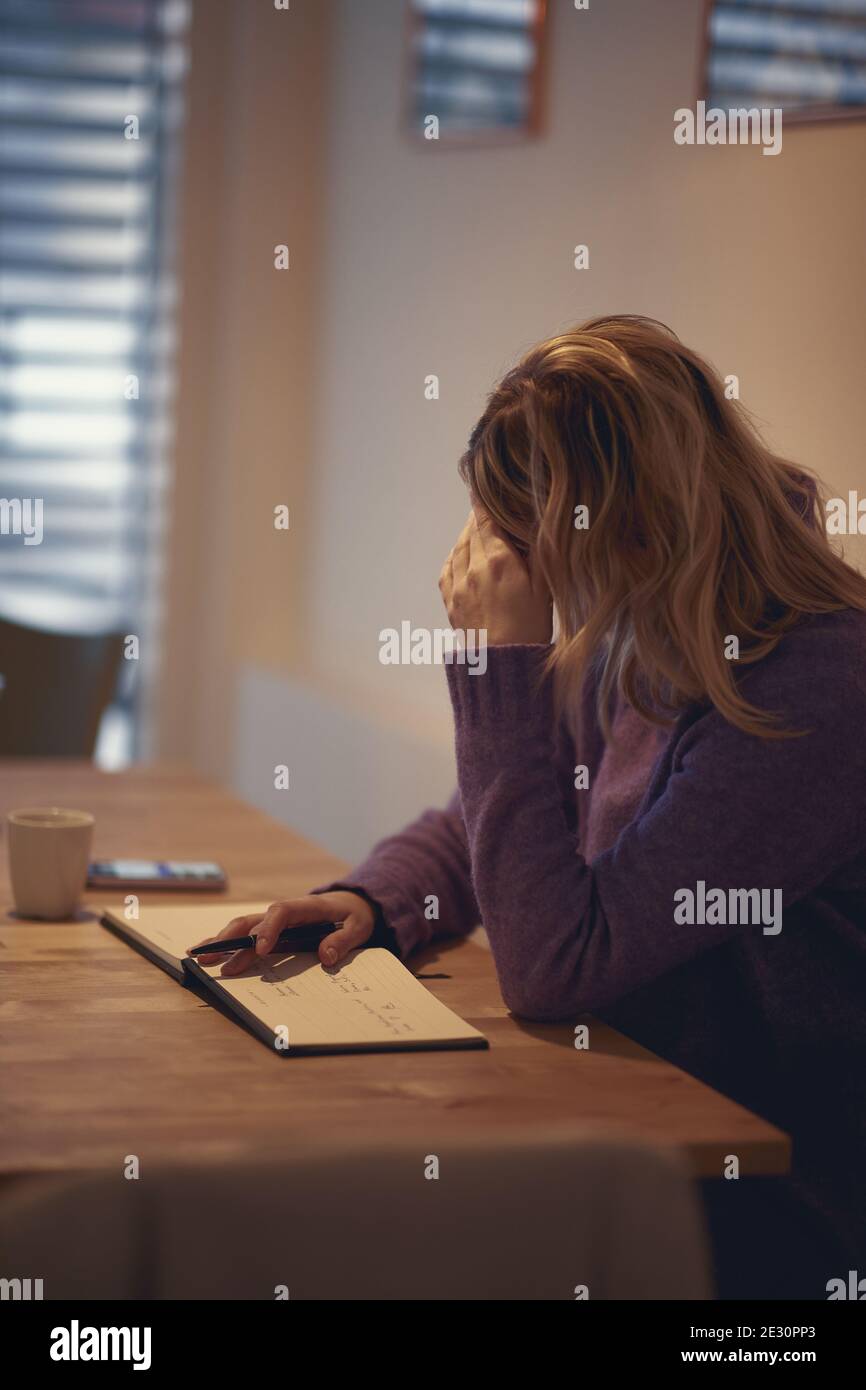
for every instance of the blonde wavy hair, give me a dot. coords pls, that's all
(697, 531)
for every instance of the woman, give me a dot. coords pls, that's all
(661, 816)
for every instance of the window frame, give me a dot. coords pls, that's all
(492, 138)
(802, 116)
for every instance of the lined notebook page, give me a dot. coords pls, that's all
(368, 999)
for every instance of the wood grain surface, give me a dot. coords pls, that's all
(103, 1055)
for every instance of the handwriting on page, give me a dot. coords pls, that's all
(387, 1012)
(370, 998)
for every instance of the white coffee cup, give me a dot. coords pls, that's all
(49, 850)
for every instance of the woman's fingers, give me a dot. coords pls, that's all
(238, 926)
(460, 553)
(455, 569)
(351, 934)
(296, 913)
(477, 544)
(237, 962)
(352, 912)
(488, 588)
(490, 544)
(486, 525)
(482, 522)
(446, 583)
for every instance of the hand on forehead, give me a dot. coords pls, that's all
(484, 521)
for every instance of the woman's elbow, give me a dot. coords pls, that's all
(540, 1001)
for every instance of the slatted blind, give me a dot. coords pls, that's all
(475, 64)
(86, 299)
(805, 56)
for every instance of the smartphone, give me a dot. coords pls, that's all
(151, 873)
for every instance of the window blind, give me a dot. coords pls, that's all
(800, 55)
(475, 63)
(90, 107)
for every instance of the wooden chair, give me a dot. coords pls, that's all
(54, 688)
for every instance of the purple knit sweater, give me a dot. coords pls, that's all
(583, 893)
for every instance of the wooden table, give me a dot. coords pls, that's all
(104, 1055)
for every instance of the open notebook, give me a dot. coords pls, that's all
(367, 1003)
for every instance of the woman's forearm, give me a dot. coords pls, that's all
(420, 879)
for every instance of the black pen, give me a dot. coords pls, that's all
(303, 938)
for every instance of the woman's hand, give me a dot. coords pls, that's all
(486, 585)
(355, 915)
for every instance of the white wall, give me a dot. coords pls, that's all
(427, 260)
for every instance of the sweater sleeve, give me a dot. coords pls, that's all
(419, 880)
(737, 812)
